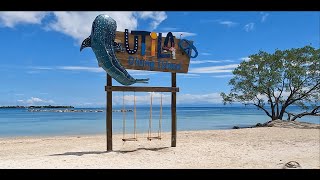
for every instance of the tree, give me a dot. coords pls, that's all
(273, 82)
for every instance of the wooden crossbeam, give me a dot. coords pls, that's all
(141, 89)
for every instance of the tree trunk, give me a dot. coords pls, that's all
(274, 115)
(283, 110)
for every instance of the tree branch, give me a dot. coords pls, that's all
(278, 98)
(271, 103)
(290, 101)
(289, 115)
(259, 106)
(314, 112)
(281, 90)
(291, 90)
(285, 105)
(304, 95)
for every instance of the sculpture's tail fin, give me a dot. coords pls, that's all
(142, 80)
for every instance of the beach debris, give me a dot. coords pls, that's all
(259, 125)
(292, 165)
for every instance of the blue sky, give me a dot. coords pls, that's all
(41, 63)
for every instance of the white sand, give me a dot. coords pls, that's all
(268, 147)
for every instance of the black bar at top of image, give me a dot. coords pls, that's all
(156, 5)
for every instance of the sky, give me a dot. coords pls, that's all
(41, 63)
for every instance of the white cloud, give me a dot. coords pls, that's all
(211, 98)
(89, 69)
(36, 101)
(86, 104)
(245, 59)
(68, 68)
(18, 94)
(78, 24)
(41, 68)
(264, 16)
(205, 54)
(81, 68)
(214, 69)
(38, 69)
(189, 75)
(209, 61)
(157, 17)
(223, 76)
(93, 69)
(249, 27)
(140, 72)
(228, 23)
(210, 69)
(12, 18)
(33, 72)
(169, 29)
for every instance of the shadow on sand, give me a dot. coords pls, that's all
(103, 152)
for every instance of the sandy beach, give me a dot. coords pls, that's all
(267, 147)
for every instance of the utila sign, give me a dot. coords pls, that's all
(140, 50)
(143, 50)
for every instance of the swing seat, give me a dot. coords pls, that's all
(156, 137)
(130, 139)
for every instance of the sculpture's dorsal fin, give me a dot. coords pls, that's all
(86, 43)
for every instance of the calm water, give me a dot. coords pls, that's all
(20, 122)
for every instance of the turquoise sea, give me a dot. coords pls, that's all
(21, 122)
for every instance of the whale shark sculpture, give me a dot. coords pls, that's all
(101, 41)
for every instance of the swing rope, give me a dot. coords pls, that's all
(135, 117)
(150, 121)
(124, 120)
(123, 116)
(160, 119)
(150, 118)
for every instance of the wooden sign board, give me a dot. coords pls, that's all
(150, 60)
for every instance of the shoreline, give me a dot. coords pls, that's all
(265, 147)
(99, 134)
(275, 123)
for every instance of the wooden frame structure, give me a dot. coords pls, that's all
(173, 89)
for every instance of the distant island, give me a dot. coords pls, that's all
(34, 107)
(76, 110)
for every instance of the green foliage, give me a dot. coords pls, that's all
(278, 80)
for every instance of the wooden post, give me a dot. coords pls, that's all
(173, 112)
(109, 115)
